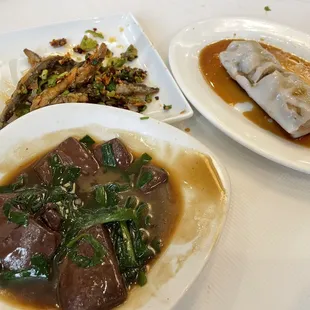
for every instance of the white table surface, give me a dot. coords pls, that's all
(263, 258)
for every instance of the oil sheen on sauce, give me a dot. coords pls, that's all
(229, 90)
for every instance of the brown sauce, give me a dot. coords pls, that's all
(166, 210)
(229, 90)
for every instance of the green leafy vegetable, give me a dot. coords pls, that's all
(142, 108)
(108, 155)
(19, 183)
(95, 34)
(142, 279)
(40, 268)
(66, 92)
(107, 195)
(138, 163)
(88, 44)
(111, 86)
(52, 80)
(130, 252)
(63, 175)
(116, 62)
(267, 8)
(143, 251)
(131, 202)
(101, 195)
(131, 53)
(58, 193)
(16, 217)
(30, 199)
(142, 212)
(84, 261)
(144, 178)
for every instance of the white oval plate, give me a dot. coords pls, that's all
(183, 57)
(181, 263)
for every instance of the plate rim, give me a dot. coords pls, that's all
(251, 145)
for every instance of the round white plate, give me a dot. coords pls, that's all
(190, 248)
(183, 57)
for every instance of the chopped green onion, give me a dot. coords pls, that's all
(108, 155)
(142, 279)
(137, 164)
(84, 261)
(144, 178)
(144, 118)
(128, 243)
(16, 217)
(40, 268)
(167, 107)
(142, 108)
(131, 202)
(116, 62)
(87, 141)
(101, 195)
(20, 182)
(63, 174)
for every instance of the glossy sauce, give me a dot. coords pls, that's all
(166, 203)
(230, 91)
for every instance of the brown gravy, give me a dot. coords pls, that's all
(229, 90)
(167, 209)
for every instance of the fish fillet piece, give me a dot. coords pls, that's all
(49, 94)
(24, 87)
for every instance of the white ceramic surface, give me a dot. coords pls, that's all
(119, 31)
(181, 263)
(183, 56)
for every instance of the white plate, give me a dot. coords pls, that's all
(183, 58)
(202, 220)
(119, 31)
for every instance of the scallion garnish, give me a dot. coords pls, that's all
(87, 141)
(85, 261)
(144, 178)
(108, 155)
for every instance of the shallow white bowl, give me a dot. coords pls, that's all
(184, 57)
(201, 222)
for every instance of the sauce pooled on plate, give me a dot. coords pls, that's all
(229, 90)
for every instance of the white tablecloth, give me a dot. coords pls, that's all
(263, 258)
